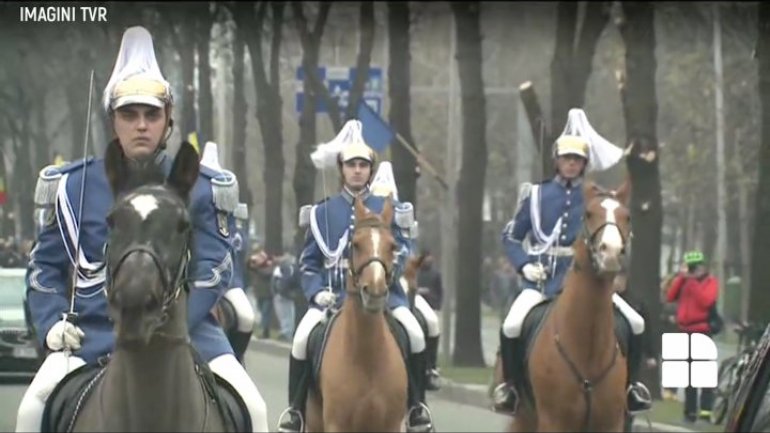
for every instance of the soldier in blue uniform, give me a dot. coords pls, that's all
(138, 102)
(244, 314)
(549, 219)
(383, 184)
(323, 266)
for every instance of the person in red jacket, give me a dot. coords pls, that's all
(696, 292)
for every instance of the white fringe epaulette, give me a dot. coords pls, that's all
(404, 215)
(47, 185)
(224, 188)
(304, 215)
(241, 212)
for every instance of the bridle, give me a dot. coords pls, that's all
(589, 238)
(170, 288)
(355, 272)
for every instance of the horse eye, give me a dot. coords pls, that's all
(110, 221)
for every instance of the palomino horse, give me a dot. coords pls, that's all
(363, 378)
(152, 381)
(576, 370)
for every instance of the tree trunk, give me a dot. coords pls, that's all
(304, 170)
(77, 105)
(240, 108)
(404, 164)
(365, 45)
(760, 272)
(470, 185)
(269, 114)
(205, 98)
(184, 43)
(571, 66)
(640, 111)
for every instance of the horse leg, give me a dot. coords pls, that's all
(313, 413)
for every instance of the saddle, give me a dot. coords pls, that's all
(69, 395)
(533, 324)
(319, 336)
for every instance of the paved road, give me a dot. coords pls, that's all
(270, 373)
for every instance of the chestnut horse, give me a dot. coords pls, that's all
(575, 367)
(363, 378)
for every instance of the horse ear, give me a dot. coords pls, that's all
(623, 194)
(387, 210)
(184, 171)
(589, 190)
(360, 210)
(115, 167)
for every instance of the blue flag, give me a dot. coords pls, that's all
(377, 133)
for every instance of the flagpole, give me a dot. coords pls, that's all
(422, 161)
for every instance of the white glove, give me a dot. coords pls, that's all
(64, 334)
(534, 272)
(325, 298)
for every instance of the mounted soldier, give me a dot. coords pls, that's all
(244, 314)
(384, 184)
(324, 269)
(538, 242)
(71, 243)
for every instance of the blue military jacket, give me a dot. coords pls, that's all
(323, 260)
(548, 204)
(53, 256)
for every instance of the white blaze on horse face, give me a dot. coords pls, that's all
(611, 239)
(144, 204)
(378, 271)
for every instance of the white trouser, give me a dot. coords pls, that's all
(314, 315)
(412, 326)
(229, 369)
(431, 319)
(56, 365)
(634, 319)
(29, 417)
(529, 298)
(244, 314)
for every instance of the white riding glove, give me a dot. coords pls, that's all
(534, 272)
(64, 335)
(325, 298)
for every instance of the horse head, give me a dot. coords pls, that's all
(606, 226)
(372, 252)
(149, 241)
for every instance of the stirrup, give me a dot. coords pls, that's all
(501, 399)
(425, 429)
(287, 411)
(640, 394)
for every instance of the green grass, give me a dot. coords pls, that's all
(472, 375)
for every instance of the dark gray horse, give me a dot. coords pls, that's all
(152, 381)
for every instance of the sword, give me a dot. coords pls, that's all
(71, 316)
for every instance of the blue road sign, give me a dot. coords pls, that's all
(339, 80)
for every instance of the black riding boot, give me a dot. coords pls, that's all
(298, 384)
(638, 396)
(505, 397)
(419, 416)
(240, 342)
(432, 376)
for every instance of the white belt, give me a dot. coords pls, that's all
(341, 263)
(560, 251)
